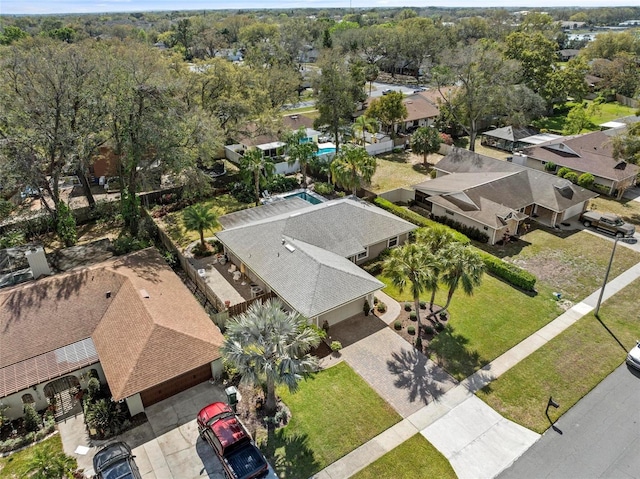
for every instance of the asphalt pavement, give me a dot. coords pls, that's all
(597, 438)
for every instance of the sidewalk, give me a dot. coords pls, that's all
(476, 440)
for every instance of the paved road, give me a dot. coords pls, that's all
(599, 437)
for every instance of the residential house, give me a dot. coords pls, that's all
(129, 321)
(508, 138)
(587, 153)
(420, 112)
(497, 196)
(309, 255)
(567, 54)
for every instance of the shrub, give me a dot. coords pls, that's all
(282, 184)
(469, 231)
(432, 174)
(428, 330)
(321, 332)
(93, 389)
(366, 307)
(6, 207)
(375, 300)
(413, 217)
(105, 417)
(323, 188)
(439, 327)
(411, 330)
(200, 251)
(31, 418)
(413, 316)
(572, 176)
(66, 224)
(397, 325)
(562, 172)
(508, 272)
(586, 180)
(382, 308)
(550, 166)
(336, 346)
(126, 244)
(423, 305)
(446, 139)
(407, 306)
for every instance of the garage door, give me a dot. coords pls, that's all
(573, 211)
(175, 385)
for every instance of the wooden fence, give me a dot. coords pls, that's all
(626, 101)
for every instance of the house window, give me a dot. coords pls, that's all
(392, 242)
(27, 399)
(362, 255)
(449, 212)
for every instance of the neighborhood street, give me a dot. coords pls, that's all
(599, 436)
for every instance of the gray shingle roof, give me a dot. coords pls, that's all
(316, 276)
(258, 213)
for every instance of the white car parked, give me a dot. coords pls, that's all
(633, 358)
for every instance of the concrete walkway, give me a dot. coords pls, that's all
(477, 441)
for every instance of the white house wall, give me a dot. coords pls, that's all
(343, 312)
(438, 210)
(14, 401)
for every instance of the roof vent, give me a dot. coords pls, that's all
(144, 293)
(108, 294)
(290, 248)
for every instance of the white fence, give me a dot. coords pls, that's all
(231, 153)
(379, 148)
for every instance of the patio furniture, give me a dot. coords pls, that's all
(237, 275)
(232, 268)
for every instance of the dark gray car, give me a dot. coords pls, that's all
(115, 461)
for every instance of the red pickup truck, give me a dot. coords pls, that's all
(221, 428)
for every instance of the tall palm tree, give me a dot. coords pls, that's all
(45, 463)
(199, 218)
(363, 124)
(414, 266)
(270, 346)
(425, 141)
(302, 152)
(253, 165)
(461, 266)
(436, 238)
(353, 167)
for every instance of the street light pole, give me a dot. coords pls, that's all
(606, 276)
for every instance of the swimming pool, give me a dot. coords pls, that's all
(325, 151)
(305, 196)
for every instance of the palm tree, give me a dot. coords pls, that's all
(302, 152)
(363, 124)
(352, 168)
(253, 164)
(412, 265)
(199, 218)
(270, 346)
(436, 238)
(461, 266)
(45, 463)
(425, 141)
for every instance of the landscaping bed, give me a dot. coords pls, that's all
(406, 325)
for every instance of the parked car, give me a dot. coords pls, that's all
(115, 461)
(420, 89)
(232, 443)
(633, 358)
(608, 223)
(387, 91)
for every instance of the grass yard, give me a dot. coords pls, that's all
(485, 325)
(627, 209)
(12, 467)
(399, 169)
(570, 365)
(333, 413)
(607, 112)
(571, 263)
(413, 458)
(221, 205)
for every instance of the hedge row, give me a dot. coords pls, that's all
(417, 219)
(506, 271)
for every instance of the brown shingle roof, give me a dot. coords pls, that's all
(141, 341)
(419, 108)
(295, 122)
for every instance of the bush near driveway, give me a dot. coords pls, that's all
(569, 365)
(412, 459)
(332, 413)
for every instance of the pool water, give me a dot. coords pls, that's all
(305, 196)
(325, 151)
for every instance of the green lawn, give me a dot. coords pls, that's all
(572, 263)
(485, 325)
(413, 458)
(629, 210)
(607, 112)
(570, 365)
(395, 170)
(12, 467)
(332, 414)
(221, 205)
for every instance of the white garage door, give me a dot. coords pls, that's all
(573, 211)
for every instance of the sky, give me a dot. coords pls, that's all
(31, 7)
